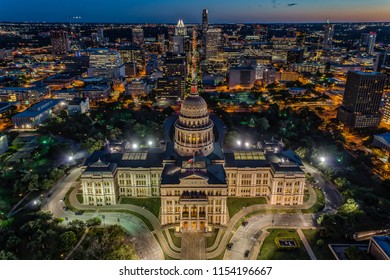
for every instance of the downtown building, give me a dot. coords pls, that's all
(105, 63)
(60, 42)
(213, 43)
(361, 101)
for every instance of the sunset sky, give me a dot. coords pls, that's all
(220, 11)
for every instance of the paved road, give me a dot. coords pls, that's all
(333, 199)
(248, 237)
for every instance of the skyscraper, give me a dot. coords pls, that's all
(138, 36)
(105, 63)
(386, 109)
(178, 38)
(362, 96)
(59, 42)
(328, 35)
(367, 42)
(213, 42)
(205, 21)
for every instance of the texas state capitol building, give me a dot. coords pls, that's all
(193, 175)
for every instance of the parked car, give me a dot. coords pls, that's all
(246, 254)
(80, 212)
(244, 223)
(229, 246)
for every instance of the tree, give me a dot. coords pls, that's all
(263, 124)
(93, 145)
(231, 137)
(342, 182)
(109, 243)
(47, 184)
(320, 242)
(302, 152)
(115, 133)
(354, 253)
(56, 174)
(6, 255)
(68, 240)
(93, 222)
(350, 207)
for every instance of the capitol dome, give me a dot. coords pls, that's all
(194, 106)
(194, 129)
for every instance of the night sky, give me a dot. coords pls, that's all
(220, 11)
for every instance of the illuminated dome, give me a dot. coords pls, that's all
(194, 129)
(194, 106)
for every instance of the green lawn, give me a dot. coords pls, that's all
(306, 196)
(319, 205)
(211, 239)
(235, 204)
(322, 252)
(151, 204)
(67, 203)
(79, 198)
(175, 239)
(269, 251)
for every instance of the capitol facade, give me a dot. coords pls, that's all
(193, 175)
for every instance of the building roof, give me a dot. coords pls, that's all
(384, 243)
(101, 167)
(384, 136)
(95, 87)
(214, 173)
(39, 108)
(77, 101)
(145, 158)
(245, 158)
(286, 167)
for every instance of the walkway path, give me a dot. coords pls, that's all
(78, 244)
(193, 246)
(306, 244)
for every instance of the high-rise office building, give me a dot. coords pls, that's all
(205, 21)
(137, 36)
(386, 109)
(106, 63)
(175, 65)
(328, 35)
(178, 38)
(367, 42)
(161, 41)
(59, 42)
(382, 60)
(213, 43)
(100, 35)
(362, 96)
(295, 56)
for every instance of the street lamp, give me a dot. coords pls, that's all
(322, 159)
(247, 144)
(238, 143)
(150, 143)
(135, 146)
(71, 158)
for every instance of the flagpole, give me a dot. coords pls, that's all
(193, 161)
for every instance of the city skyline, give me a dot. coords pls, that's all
(256, 11)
